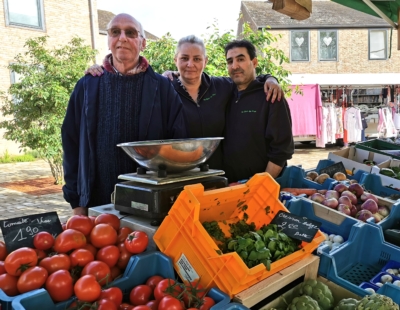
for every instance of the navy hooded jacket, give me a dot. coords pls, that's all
(161, 117)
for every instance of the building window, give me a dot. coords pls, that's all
(299, 45)
(24, 13)
(377, 44)
(327, 45)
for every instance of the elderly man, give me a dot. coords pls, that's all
(258, 134)
(130, 102)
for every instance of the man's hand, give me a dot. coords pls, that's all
(170, 74)
(80, 211)
(95, 70)
(273, 90)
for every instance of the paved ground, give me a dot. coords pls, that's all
(34, 192)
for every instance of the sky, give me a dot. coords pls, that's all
(178, 17)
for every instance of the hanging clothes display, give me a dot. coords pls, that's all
(305, 109)
(353, 124)
(328, 126)
(386, 127)
(339, 123)
(396, 118)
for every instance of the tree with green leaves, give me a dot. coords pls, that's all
(161, 54)
(35, 105)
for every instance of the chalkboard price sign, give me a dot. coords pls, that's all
(296, 227)
(332, 169)
(19, 231)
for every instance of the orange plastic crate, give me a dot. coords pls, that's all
(182, 236)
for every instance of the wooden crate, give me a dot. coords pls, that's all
(307, 267)
(338, 293)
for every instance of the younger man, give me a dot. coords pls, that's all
(258, 134)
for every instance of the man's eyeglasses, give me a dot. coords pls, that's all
(129, 33)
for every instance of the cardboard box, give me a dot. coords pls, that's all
(353, 158)
(387, 181)
(338, 293)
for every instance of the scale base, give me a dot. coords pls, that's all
(154, 201)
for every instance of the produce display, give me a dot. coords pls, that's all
(393, 172)
(81, 261)
(315, 295)
(352, 200)
(320, 178)
(262, 246)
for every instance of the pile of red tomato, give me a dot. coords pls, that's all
(85, 257)
(157, 293)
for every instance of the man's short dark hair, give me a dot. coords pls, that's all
(251, 49)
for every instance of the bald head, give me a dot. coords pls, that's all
(126, 17)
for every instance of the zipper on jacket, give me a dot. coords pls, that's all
(190, 98)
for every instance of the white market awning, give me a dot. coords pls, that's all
(362, 80)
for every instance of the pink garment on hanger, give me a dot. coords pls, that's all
(306, 110)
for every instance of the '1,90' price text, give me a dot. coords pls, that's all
(24, 233)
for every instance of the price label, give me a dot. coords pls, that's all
(19, 232)
(296, 227)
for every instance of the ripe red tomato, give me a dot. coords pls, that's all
(81, 257)
(2, 269)
(141, 307)
(153, 281)
(43, 240)
(140, 295)
(194, 291)
(32, 279)
(107, 218)
(125, 306)
(170, 303)
(103, 235)
(19, 260)
(123, 232)
(81, 223)
(92, 218)
(124, 256)
(106, 304)
(114, 294)
(167, 287)
(87, 288)
(69, 239)
(153, 304)
(3, 250)
(207, 303)
(8, 284)
(56, 262)
(60, 285)
(136, 242)
(115, 272)
(108, 254)
(91, 248)
(40, 255)
(99, 270)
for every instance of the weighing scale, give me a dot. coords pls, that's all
(152, 190)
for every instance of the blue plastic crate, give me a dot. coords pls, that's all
(295, 177)
(391, 221)
(6, 301)
(391, 264)
(373, 183)
(333, 222)
(235, 305)
(390, 290)
(358, 260)
(377, 278)
(140, 268)
(365, 285)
